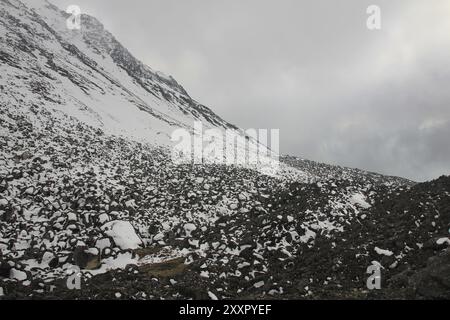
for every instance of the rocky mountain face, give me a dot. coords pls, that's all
(88, 192)
(88, 74)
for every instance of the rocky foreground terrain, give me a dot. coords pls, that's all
(139, 227)
(92, 207)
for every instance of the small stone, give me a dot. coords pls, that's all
(189, 228)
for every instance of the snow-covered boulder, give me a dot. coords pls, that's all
(123, 234)
(189, 228)
(103, 218)
(18, 275)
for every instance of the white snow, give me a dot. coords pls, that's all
(308, 236)
(377, 264)
(158, 237)
(47, 258)
(71, 216)
(441, 241)
(383, 252)
(212, 296)
(103, 243)
(17, 275)
(103, 218)
(204, 274)
(123, 234)
(120, 262)
(189, 228)
(360, 199)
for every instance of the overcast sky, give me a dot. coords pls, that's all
(339, 93)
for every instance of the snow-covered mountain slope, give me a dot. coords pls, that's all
(87, 182)
(88, 74)
(326, 172)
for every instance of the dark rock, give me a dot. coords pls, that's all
(433, 282)
(86, 259)
(433, 244)
(5, 269)
(26, 155)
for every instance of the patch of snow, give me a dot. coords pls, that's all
(441, 241)
(71, 216)
(18, 275)
(212, 296)
(189, 228)
(103, 243)
(103, 218)
(308, 236)
(120, 262)
(360, 200)
(123, 234)
(204, 274)
(383, 252)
